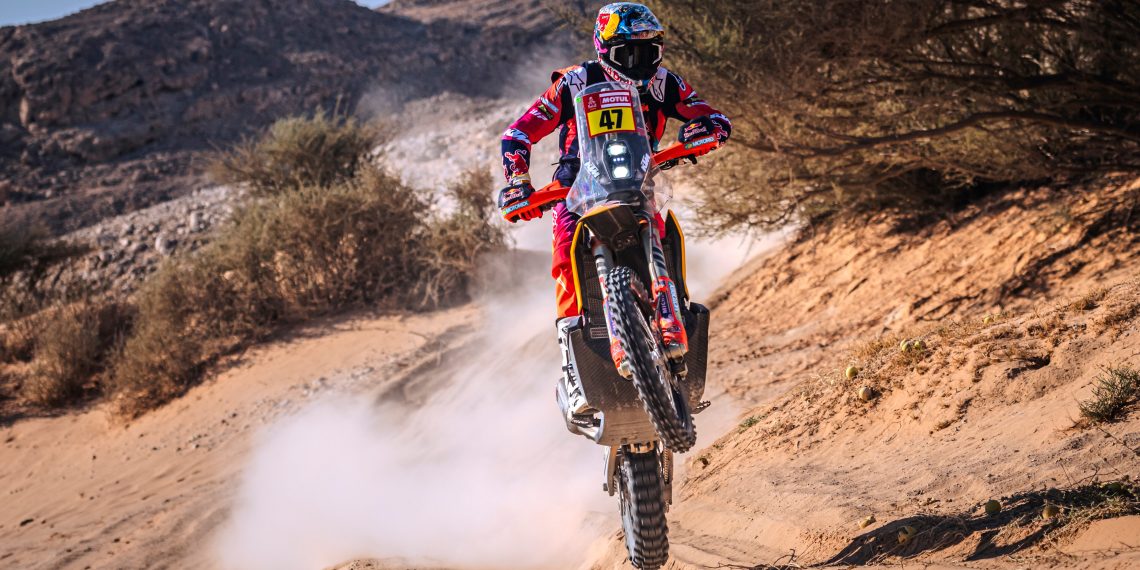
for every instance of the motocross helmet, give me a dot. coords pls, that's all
(630, 41)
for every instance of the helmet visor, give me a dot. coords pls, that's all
(630, 55)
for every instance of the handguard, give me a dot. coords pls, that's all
(674, 154)
(540, 201)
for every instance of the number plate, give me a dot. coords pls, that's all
(609, 112)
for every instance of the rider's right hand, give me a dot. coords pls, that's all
(514, 203)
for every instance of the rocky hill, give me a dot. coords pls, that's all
(107, 110)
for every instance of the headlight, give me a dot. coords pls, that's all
(616, 149)
(621, 172)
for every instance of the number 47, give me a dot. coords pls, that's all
(611, 119)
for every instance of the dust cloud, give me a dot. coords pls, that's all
(482, 475)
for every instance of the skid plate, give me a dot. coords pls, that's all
(623, 418)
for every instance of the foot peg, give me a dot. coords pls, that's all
(584, 421)
(704, 405)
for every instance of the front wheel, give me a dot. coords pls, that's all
(643, 509)
(664, 401)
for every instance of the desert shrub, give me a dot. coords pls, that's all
(301, 253)
(321, 150)
(71, 344)
(1090, 300)
(18, 339)
(324, 230)
(26, 245)
(455, 243)
(909, 105)
(1115, 390)
(163, 353)
(18, 246)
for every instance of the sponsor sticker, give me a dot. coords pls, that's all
(516, 162)
(609, 112)
(700, 142)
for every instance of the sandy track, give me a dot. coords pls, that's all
(79, 493)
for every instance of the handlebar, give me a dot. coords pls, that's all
(546, 197)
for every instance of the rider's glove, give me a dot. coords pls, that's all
(514, 203)
(699, 128)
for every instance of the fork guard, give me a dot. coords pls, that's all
(623, 419)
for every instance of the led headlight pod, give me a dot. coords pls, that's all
(618, 156)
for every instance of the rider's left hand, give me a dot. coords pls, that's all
(514, 203)
(701, 127)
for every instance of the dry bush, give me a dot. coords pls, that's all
(71, 345)
(297, 152)
(1120, 315)
(161, 357)
(28, 246)
(1090, 300)
(323, 231)
(18, 339)
(910, 105)
(455, 243)
(19, 245)
(299, 254)
(1115, 390)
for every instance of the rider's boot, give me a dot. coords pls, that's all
(571, 397)
(670, 321)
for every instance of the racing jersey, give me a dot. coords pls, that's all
(665, 96)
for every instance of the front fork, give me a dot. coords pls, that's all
(603, 261)
(667, 304)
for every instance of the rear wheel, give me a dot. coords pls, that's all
(643, 509)
(664, 401)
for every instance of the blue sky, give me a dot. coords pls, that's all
(28, 11)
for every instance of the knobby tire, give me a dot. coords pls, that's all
(643, 510)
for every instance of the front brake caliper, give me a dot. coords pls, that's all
(669, 320)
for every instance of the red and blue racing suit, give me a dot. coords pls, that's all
(665, 96)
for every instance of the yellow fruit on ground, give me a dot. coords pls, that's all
(906, 534)
(919, 345)
(993, 507)
(870, 520)
(904, 345)
(1050, 511)
(851, 372)
(989, 319)
(866, 393)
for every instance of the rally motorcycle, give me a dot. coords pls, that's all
(634, 361)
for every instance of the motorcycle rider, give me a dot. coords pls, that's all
(629, 41)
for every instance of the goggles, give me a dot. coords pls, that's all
(633, 54)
